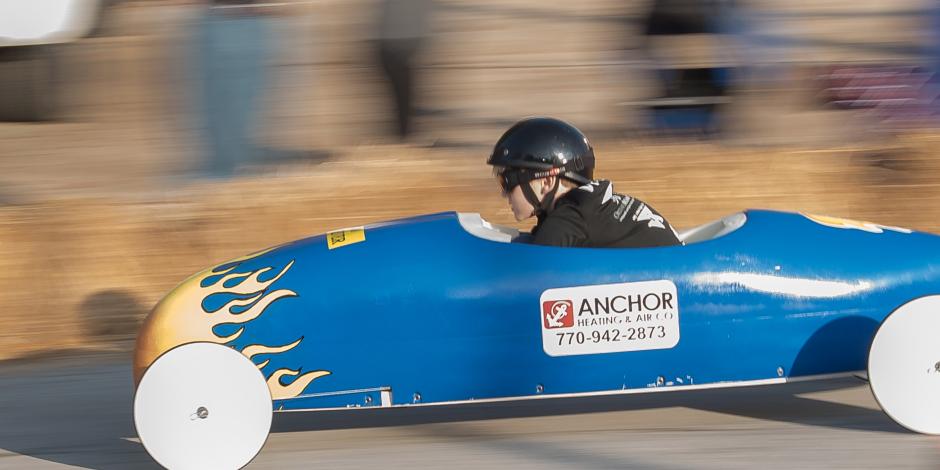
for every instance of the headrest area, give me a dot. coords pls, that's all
(713, 230)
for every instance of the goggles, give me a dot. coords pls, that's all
(509, 178)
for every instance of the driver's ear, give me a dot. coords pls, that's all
(548, 183)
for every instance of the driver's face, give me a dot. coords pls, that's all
(521, 208)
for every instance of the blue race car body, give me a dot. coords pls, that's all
(443, 308)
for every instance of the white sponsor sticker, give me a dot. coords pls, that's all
(630, 316)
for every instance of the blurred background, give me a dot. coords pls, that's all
(141, 141)
(144, 140)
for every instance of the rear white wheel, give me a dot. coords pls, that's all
(203, 406)
(904, 365)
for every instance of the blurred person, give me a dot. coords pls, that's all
(932, 51)
(403, 28)
(681, 41)
(545, 168)
(233, 40)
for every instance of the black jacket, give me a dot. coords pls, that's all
(595, 216)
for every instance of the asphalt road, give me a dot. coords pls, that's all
(76, 411)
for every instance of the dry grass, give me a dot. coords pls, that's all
(62, 260)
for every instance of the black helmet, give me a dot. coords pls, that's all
(541, 147)
(537, 148)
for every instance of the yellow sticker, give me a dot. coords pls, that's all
(345, 237)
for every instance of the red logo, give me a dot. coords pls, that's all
(558, 314)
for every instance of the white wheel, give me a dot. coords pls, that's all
(202, 406)
(904, 365)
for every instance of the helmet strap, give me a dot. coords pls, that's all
(543, 205)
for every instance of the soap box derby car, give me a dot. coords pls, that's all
(444, 308)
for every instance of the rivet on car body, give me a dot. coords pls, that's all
(660, 380)
(368, 400)
(416, 397)
(780, 372)
(539, 388)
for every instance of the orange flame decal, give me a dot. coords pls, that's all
(180, 318)
(255, 349)
(280, 391)
(836, 222)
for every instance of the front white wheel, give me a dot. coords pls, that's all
(904, 365)
(203, 406)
